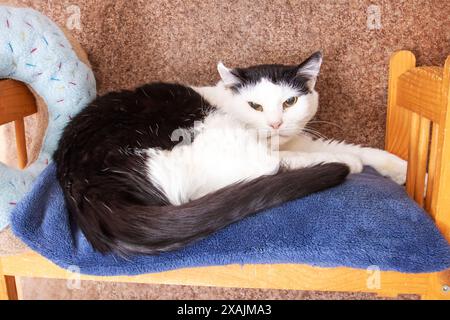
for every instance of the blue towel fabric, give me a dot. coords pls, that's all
(367, 221)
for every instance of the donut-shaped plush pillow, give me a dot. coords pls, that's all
(36, 51)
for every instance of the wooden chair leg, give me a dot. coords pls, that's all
(8, 289)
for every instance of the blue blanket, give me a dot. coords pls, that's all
(367, 221)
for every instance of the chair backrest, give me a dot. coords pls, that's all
(418, 129)
(17, 102)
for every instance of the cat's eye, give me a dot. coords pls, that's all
(256, 106)
(289, 102)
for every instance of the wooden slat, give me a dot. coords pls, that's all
(412, 154)
(16, 101)
(419, 90)
(432, 167)
(397, 120)
(422, 160)
(11, 287)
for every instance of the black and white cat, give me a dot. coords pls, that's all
(157, 168)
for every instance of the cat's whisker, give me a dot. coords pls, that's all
(314, 135)
(306, 131)
(326, 122)
(317, 133)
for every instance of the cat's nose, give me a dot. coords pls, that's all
(276, 124)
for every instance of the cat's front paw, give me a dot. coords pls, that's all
(353, 162)
(389, 165)
(394, 168)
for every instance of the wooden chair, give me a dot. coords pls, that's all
(418, 129)
(17, 102)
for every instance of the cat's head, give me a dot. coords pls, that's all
(278, 99)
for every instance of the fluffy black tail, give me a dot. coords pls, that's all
(130, 229)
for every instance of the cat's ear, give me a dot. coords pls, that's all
(228, 76)
(310, 68)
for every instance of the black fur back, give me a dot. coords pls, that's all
(101, 168)
(100, 163)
